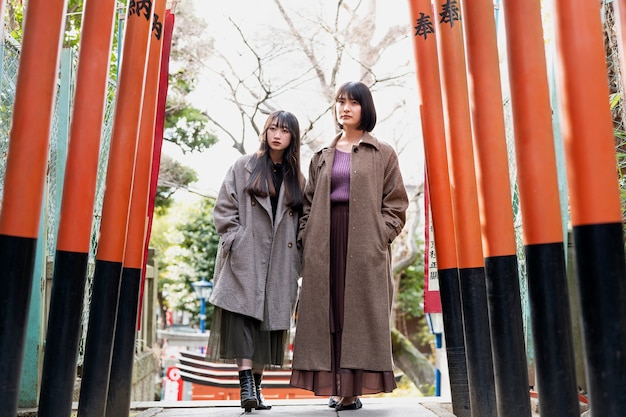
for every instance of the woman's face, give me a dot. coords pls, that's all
(348, 112)
(278, 138)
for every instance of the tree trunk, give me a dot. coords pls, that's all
(412, 362)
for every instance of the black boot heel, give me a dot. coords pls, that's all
(259, 397)
(248, 391)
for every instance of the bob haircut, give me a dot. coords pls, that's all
(356, 90)
(260, 182)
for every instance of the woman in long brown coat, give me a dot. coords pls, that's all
(257, 265)
(354, 206)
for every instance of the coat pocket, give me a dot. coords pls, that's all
(227, 240)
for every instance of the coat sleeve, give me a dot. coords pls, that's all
(395, 200)
(226, 210)
(307, 197)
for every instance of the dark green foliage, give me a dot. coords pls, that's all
(411, 295)
(172, 176)
(187, 127)
(411, 302)
(200, 239)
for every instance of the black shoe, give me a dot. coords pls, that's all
(354, 406)
(332, 403)
(248, 391)
(261, 405)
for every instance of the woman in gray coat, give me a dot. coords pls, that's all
(354, 207)
(257, 266)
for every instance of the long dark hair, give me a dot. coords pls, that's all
(260, 182)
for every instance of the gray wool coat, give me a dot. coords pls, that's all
(257, 265)
(378, 203)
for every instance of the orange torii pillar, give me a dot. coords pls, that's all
(168, 29)
(120, 386)
(539, 197)
(115, 212)
(594, 200)
(24, 184)
(496, 210)
(429, 90)
(465, 209)
(75, 223)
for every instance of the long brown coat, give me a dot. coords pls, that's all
(378, 203)
(257, 264)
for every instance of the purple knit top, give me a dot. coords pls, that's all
(340, 178)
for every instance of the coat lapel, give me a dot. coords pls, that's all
(280, 210)
(263, 201)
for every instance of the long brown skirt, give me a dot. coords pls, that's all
(340, 381)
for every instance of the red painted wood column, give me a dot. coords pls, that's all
(435, 151)
(75, 223)
(120, 387)
(496, 210)
(539, 198)
(24, 180)
(594, 200)
(168, 28)
(115, 212)
(465, 208)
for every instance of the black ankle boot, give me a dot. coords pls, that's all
(259, 397)
(248, 391)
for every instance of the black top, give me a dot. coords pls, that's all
(277, 179)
